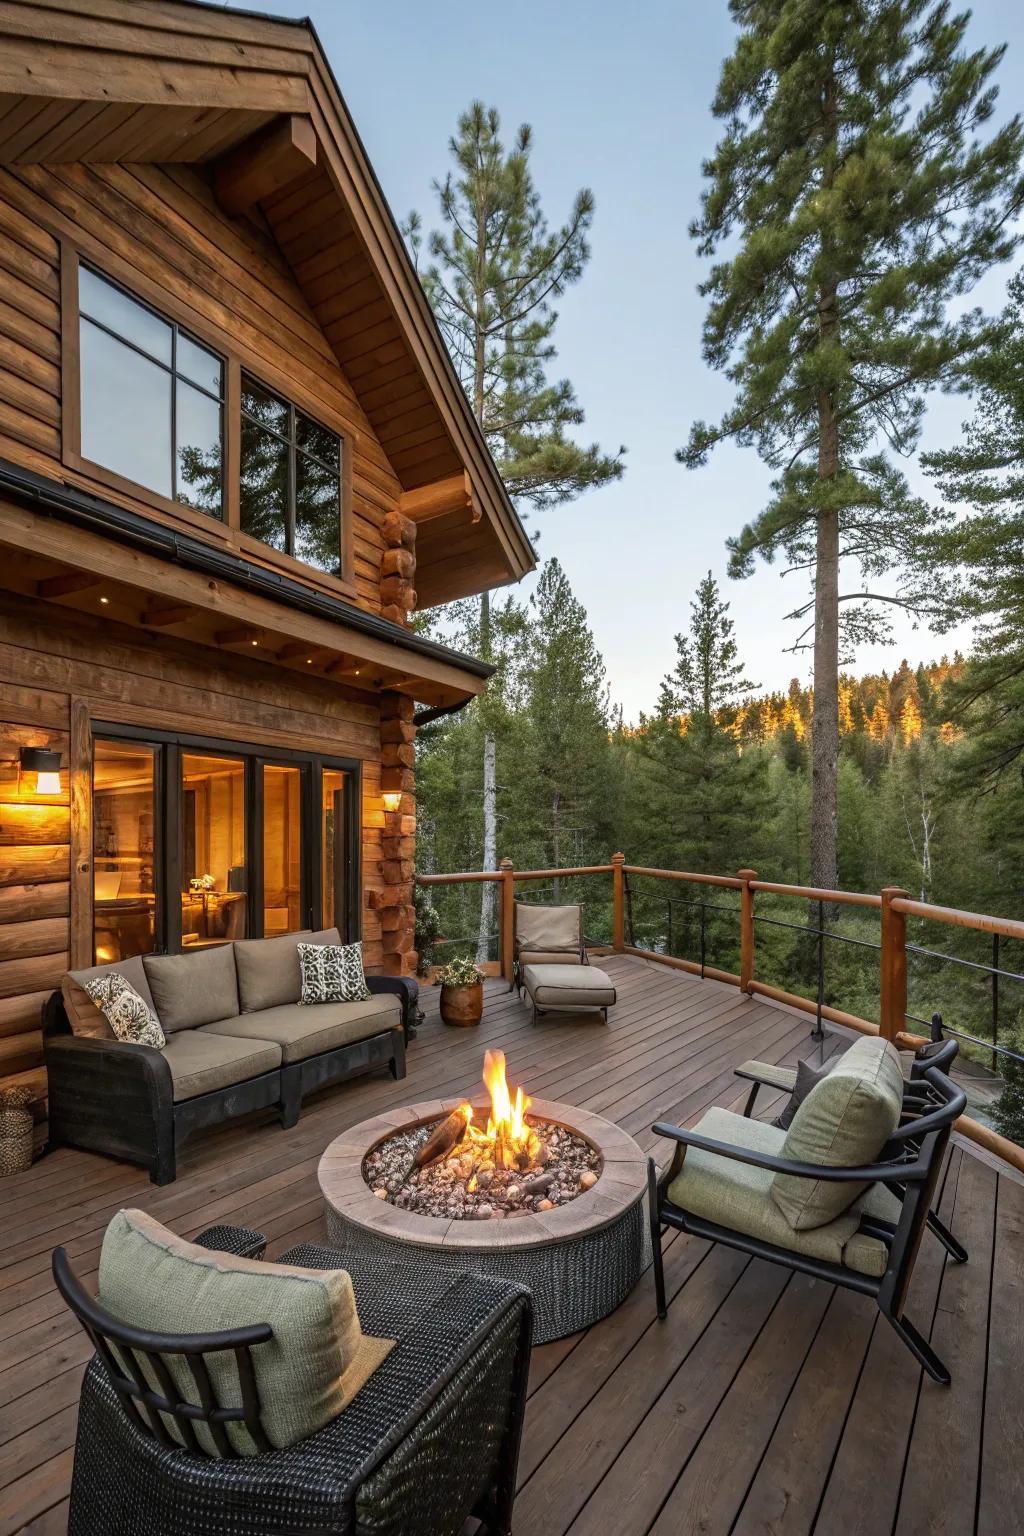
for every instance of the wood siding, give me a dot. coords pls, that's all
(55, 666)
(158, 230)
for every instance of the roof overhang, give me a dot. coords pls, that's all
(55, 545)
(253, 99)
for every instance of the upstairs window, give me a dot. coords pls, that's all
(290, 491)
(152, 398)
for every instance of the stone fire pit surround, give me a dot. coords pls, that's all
(580, 1259)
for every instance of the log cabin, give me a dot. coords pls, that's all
(234, 459)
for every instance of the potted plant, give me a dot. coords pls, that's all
(462, 993)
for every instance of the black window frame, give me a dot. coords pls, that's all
(168, 748)
(172, 370)
(291, 443)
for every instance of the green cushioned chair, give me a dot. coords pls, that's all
(843, 1195)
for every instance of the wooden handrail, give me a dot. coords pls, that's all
(680, 874)
(812, 893)
(1007, 927)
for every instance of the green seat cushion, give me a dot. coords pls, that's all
(306, 1374)
(194, 988)
(738, 1196)
(302, 1030)
(844, 1122)
(268, 969)
(202, 1063)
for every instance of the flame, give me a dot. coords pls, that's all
(508, 1133)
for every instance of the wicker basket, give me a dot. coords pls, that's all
(15, 1131)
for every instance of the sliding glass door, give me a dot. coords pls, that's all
(198, 842)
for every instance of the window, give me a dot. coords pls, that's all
(213, 855)
(197, 842)
(151, 397)
(124, 849)
(290, 482)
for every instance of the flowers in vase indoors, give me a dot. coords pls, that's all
(202, 883)
(459, 973)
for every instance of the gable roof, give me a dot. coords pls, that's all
(254, 98)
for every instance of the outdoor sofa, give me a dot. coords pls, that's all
(313, 1395)
(237, 1039)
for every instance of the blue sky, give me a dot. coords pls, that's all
(619, 102)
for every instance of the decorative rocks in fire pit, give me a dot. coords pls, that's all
(537, 1192)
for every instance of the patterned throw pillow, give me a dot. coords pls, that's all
(333, 973)
(129, 1015)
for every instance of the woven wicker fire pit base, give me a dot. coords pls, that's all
(580, 1260)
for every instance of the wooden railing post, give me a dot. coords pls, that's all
(618, 903)
(508, 913)
(746, 928)
(893, 985)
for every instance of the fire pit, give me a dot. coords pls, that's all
(532, 1191)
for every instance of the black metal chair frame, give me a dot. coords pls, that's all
(410, 1427)
(909, 1166)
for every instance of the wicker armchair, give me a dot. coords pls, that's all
(431, 1439)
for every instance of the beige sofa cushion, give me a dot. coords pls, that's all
(84, 1016)
(303, 1030)
(844, 1122)
(202, 1063)
(306, 1374)
(268, 969)
(194, 988)
(568, 986)
(738, 1196)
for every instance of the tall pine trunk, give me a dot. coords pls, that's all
(490, 781)
(825, 717)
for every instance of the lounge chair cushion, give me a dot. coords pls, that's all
(547, 928)
(84, 1016)
(202, 1063)
(550, 956)
(844, 1121)
(306, 1374)
(268, 969)
(738, 1196)
(568, 986)
(194, 988)
(303, 1030)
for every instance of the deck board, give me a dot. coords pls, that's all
(767, 1403)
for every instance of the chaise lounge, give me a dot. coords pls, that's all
(550, 962)
(237, 1039)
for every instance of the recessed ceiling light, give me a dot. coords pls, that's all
(104, 599)
(255, 642)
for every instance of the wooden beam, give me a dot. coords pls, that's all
(171, 613)
(244, 634)
(65, 585)
(455, 494)
(265, 163)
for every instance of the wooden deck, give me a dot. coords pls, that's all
(767, 1403)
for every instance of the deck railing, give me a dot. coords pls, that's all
(893, 904)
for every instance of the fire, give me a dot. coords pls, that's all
(507, 1135)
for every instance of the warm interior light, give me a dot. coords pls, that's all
(104, 599)
(46, 767)
(392, 799)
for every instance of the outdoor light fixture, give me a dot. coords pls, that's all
(392, 799)
(46, 767)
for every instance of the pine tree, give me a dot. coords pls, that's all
(855, 193)
(496, 271)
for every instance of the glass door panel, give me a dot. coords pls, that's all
(282, 849)
(335, 851)
(124, 853)
(214, 877)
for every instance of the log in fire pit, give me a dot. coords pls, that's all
(533, 1191)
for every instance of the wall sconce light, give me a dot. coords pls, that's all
(392, 799)
(46, 767)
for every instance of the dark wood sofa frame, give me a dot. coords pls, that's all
(432, 1438)
(909, 1166)
(116, 1098)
